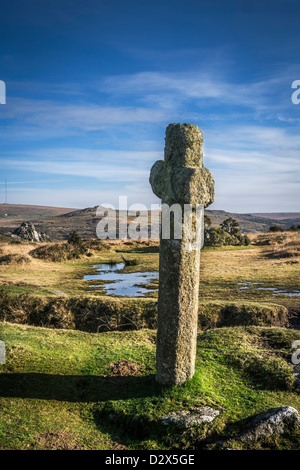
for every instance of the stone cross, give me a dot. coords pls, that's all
(179, 179)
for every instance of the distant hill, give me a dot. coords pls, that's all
(278, 215)
(58, 222)
(290, 218)
(12, 215)
(252, 223)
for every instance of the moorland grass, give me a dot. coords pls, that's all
(59, 384)
(223, 269)
(58, 391)
(113, 313)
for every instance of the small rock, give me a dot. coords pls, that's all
(273, 422)
(193, 417)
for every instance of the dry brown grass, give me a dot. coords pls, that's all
(43, 274)
(222, 270)
(282, 245)
(15, 259)
(289, 250)
(37, 274)
(19, 249)
(273, 238)
(15, 254)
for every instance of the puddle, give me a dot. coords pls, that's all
(120, 283)
(273, 290)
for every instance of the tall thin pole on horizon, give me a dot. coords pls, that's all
(5, 191)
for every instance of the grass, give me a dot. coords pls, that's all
(83, 313)
(130, 262)
(58, 388)
(222, 271)
(289, 249)
(67, 276)
(275, 238)
(221, 313)
(14, 259)
(112, 313)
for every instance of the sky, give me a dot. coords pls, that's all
(91, 86)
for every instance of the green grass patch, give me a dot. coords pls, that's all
(57, 388)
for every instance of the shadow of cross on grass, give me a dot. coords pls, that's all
(77, 388)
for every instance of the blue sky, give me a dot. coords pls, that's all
(91, 87)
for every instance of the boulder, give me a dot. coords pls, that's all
(192, 417)
(275, 421)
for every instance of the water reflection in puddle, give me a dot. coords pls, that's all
(120, 283)
(273, 290)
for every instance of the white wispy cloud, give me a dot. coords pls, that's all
(254, 168)
(109, 166)
(82, 117)
(205, 86)
(255, 162)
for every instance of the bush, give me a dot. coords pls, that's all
(294, 228)
(246, 240)
(59, 252)
(74, 238)
(227, 234)
(218, 237)
(13, 258)
(231, 226)
(275, 228)
(15, 241)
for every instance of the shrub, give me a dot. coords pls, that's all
(231, 226)
(14, 258)
(74, 238)
(227, 234)
(59, 252)
(275, 228)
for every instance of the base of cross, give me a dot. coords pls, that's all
(177, 312)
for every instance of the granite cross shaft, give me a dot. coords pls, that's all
(179, 179)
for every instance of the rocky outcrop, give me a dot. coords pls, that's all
(273, 422)
(28, 232)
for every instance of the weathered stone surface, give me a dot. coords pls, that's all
(179, 179)
(273, 422)
(193, 417)
(296, 374)
(2, 352)
(28, 232)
